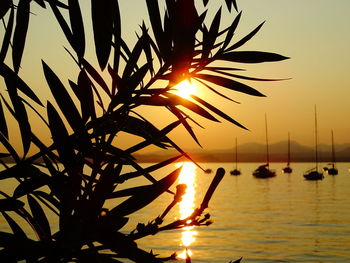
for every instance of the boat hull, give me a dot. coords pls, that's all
(264, 174)
(235, 172)
(332, 171)
(314, 175)
(287, 170)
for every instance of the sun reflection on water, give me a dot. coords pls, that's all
(187, 205)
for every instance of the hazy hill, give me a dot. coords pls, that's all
(256, 152)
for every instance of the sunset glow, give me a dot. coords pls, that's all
(185, 89)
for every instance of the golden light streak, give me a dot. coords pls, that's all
(187, 205)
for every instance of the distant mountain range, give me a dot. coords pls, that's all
(253, 152)
(256, 152)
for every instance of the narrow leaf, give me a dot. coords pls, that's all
(138, 190)
(40, 217)
(31, 184)
(251, 57)
(228, 4)
(116, 34)
(234, 2)
(60, 136)
(141, 128)
(143, 198)
(138, 168)
(217, 111)
(5, 5)
(167, 42)
(223, 68)
(146, 46)
(185, 154)
(77, 26)
(178, 114)
(102, 23)
(118, 154)
(133, 58)
(36, 111)
(86, 97)
(20, 114)
(19, 37)
(156, 22)
(155, 49)
(3, 125)
(209, 37)
(137, 78)
(232, 30)
(20, 170)
(104, 187)
(18, 83)
(229, 84)
(41, 3)
(149, 169)
(63, 99)
(236, 261)
(52, 200)
(4, 155)
(96, 76)
(10, 204)
(9, 148)
(246, 77)
(184, 25)
(215, 91)
(7, 37)
(177, 100)
(16, 229)
(215, 25)
(155, 137)
(63, 24)
(43, 148)
(60, 4)
(246, 38)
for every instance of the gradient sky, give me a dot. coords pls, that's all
(314, 33)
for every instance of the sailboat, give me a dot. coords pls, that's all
(313, 173)
(264, 171)
(332, 170)
(236, 171)
(288, 169)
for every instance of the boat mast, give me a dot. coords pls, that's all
(288, 163)
(333, 153)
(316, 151)
(236, 153)
(267, 143)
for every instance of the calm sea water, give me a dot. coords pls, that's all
(281, 219)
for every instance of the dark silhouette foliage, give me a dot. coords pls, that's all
(81, 168)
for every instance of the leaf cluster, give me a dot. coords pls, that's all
(82, 167)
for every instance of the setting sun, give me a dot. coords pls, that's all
(185, 89)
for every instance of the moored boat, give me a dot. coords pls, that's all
(288, 169)
(235, 171)
(264, 171)
(332, 170)
(313, 173)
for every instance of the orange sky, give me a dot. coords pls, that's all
(314, 33)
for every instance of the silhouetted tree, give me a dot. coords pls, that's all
(74, 175)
